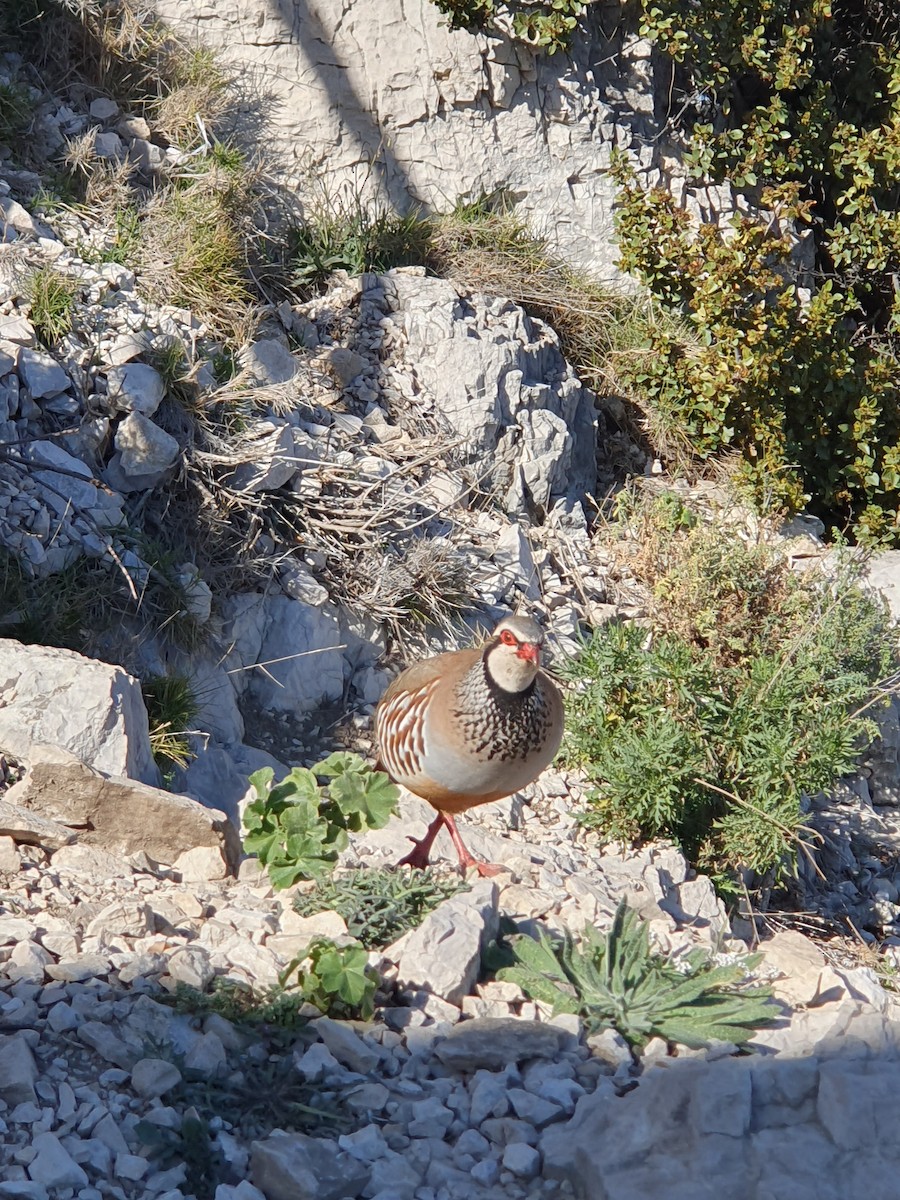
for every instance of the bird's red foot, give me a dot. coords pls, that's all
(484, 869)
(417, 857)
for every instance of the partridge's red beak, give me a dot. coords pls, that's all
(530, 651)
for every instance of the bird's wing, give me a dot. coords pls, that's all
(450, 666)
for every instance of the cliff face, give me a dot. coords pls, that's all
(378, 97)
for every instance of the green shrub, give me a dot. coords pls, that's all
(742, 696)
(193, 248)
(798, 107)
(615, 980)
(298, 827)
(812, 407)
(546, 24)
(379, 906)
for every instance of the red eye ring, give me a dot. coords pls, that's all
(508, 638)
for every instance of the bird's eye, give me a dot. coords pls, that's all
(508, 638)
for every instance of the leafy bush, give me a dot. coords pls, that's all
(336, 979)
(298, 827)
(615, 980)
(545, 24)
(747, 692)
(379, 906)
(798, 107)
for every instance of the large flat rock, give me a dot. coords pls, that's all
(123, 815)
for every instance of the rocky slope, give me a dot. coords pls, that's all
(379, 415)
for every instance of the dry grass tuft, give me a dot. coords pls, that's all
(193, 251)
(487, 248)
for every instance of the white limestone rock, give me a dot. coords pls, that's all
(444, 954)
(135, 387)
(270, 462)
(144, 454)
(59, 698)
(41, 373)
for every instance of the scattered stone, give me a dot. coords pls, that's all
(53, 1166)
(493, 1044)
(104, 109)
(42, 374)
(346, 1045)
(801, 975)
(135, 387)
(269, 362)
(292, 1166)
(611, 1047)
(152, 1077)
(270, 462)
(524, 1161)
(18, 1071)
(145, 453)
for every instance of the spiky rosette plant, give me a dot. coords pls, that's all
(616, 980)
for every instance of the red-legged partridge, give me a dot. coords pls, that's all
(469, 727)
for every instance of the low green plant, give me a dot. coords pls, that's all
(191, 1145)
(123, 245)
(299, 827)
(344, 233)
(379, 906)
(750, 689)
(63, 609)
(273, 1008)
(336, 979)
(172, 706)
(224, 365)
(615, 980)
(15, 112)
(170, 359)
(52, 298)
(193, 249)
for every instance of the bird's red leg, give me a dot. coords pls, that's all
(418, 856)
(465, 858)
